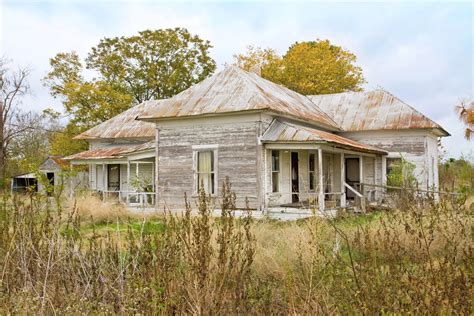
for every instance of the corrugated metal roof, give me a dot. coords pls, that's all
(125, 124)
(235, 90)
(288, 132)
(111, 152)
(372, 110)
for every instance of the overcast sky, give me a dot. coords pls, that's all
(422, 52)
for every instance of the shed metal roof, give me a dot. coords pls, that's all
(373, 110)
(285, 132)
(124, 125)
(236, 90)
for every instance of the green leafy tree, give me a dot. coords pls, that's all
(315, 67)
(127, 71)
(402, 174)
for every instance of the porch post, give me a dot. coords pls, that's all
(321, 183)
(90, 175)
(265, 180)
(343, 180)
(384, 177)
(128, 181)
(103, 181)
(361, 174)
(375, 178)
(157, 140)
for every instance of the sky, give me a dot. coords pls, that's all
(420, 51)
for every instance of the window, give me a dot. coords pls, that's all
(275, 170)
(312, 172)
(205, 171)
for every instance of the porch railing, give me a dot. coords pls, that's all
(132, 198)
(307, 200)
(359, 197)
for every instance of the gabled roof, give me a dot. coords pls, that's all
(236, 90)
(54, 162)
(373, 110)
(112, 152)
(124, 125)
(285, 132)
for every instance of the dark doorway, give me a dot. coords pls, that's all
(113, 177)
(352, 175)
(50, 176)
(295, 183)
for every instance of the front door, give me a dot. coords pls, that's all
(295, 183)
(352, 175)
(113, 177)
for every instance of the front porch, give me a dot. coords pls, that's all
(319, 178)
(125, 175)
(317, 171)
(130, 182)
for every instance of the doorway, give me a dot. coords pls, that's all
(352, 176)
(113, 177)
(295, 181)
(50, 177)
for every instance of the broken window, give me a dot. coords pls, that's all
(275, 170)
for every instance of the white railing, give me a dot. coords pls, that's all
(360, 199)
(305, 199)
(132, 198)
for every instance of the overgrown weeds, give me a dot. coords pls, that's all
(417, 259)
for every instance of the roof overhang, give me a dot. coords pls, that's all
(111, 153)
(289, 133)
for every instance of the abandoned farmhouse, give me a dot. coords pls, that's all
(278, 148)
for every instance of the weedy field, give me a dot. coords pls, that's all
(84, 256)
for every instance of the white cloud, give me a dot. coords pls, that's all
(420, 52)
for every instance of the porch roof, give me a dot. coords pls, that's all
(111, 152)
(285, 132)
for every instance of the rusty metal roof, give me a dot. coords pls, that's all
(59, 160)
(373, 110)
(286, 132)
(236, 90)
(124, 125)
(111, 152)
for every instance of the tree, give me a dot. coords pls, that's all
(151, 65)
(27, 151)
(13, 121)
(257, 59)
(315, 67)
(466, 114)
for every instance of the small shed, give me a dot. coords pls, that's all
(53, 168)
(24, 183)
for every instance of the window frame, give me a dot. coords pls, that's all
(278, 172)
(205, 148)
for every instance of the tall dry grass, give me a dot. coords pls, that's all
(417, 259)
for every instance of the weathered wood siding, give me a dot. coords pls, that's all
(236, 159)
(416, 146)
